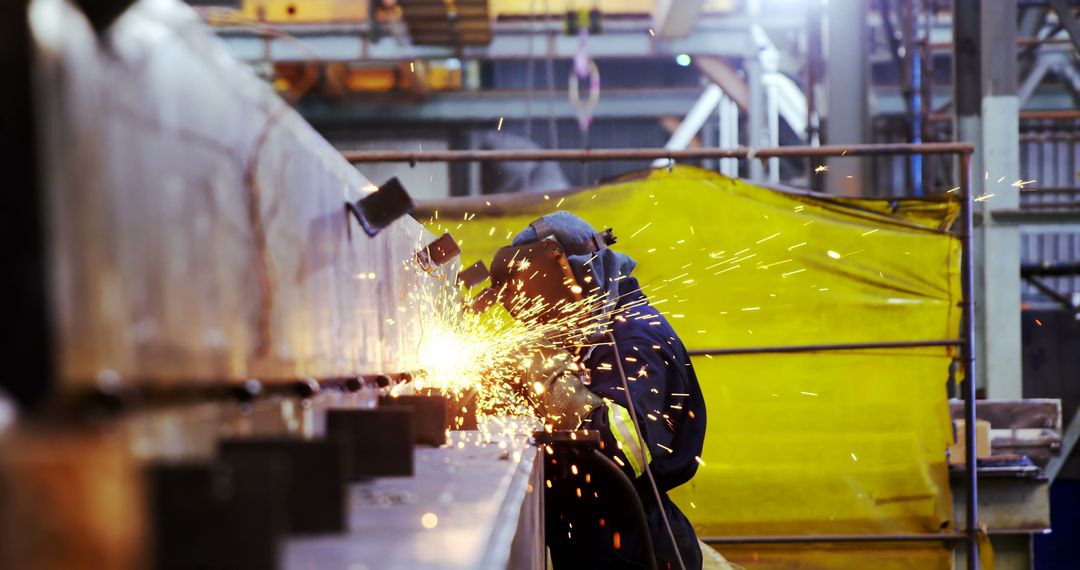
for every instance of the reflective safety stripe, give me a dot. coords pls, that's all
(622, 427)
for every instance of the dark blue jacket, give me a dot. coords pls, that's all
(671, 415)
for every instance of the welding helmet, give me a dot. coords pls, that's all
(556, 261)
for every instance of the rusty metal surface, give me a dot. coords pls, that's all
(197, 230)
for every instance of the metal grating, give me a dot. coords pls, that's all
(1050, 155)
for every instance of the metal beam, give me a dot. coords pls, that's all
(1050, 269)
(998, 251)
(966, 98)
(466, 106)
(847, 77)
(947, 538)
(471, 106)
(1044, 61)
(1065, 16)
(585, 154)
(1068, 443)
(621, 39)
(695, 119)
(723, 74)
(1064, 300)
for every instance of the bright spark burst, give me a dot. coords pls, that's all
(489, 356)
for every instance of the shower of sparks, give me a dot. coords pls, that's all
(820, 169)
(492, 359)
(412, 67)
(833, 254)
(641, 230)
(1022, 183)
(499, 128)
(984, 197)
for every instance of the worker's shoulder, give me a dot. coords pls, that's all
(653, 333)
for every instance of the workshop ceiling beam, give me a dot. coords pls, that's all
(479, 106)
(512, 40)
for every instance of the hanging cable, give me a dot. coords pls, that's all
(648, 467)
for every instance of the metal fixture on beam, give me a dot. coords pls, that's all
(473, 275)
(438, 252)
(378, 209)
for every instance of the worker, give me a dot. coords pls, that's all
(582, 389)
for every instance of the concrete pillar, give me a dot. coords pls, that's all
(987, 114)
(847, 80)
(998, 264)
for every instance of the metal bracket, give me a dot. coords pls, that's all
(218, 517)
(380, 441)
(1068, 443)
(378, 209)
(318, 473)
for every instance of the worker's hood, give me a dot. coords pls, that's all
(596, 267)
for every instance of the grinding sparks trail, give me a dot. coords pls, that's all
(641, 230)
(485, 357)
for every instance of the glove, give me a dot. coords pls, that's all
(564, 400)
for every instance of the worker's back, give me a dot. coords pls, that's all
(599, 531)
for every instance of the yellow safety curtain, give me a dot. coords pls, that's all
(805, 443)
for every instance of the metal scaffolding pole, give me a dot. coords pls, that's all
(585, 155)
(967, 285)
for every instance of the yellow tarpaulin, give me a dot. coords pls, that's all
(804, 443)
